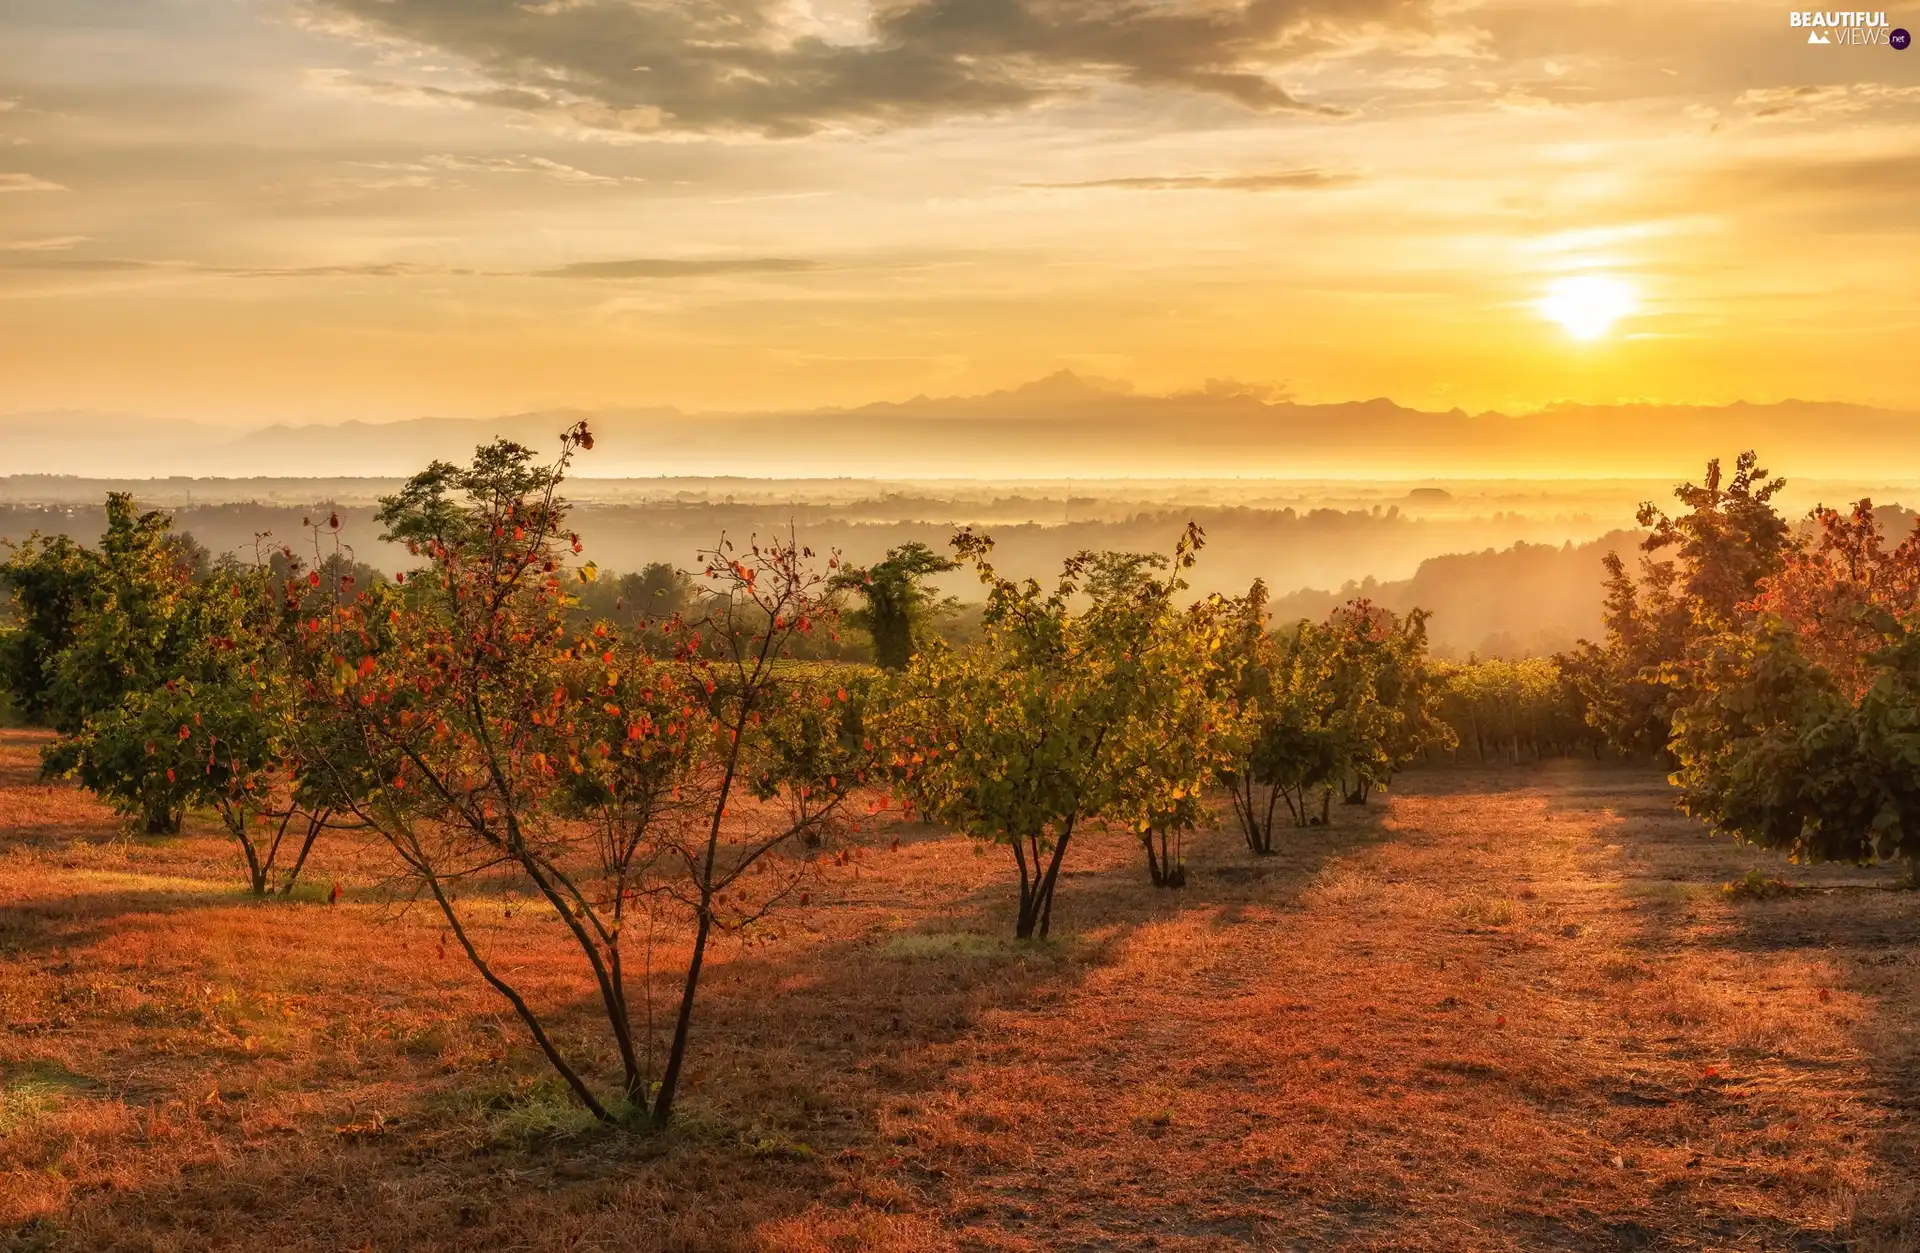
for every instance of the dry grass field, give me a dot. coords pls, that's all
(1502, 1009)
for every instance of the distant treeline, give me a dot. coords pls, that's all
(1491, 600)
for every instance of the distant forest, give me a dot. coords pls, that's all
(1511, 582)
(1521, 598)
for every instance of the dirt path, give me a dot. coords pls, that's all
(1501, 1010)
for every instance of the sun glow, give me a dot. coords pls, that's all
(1588, 305)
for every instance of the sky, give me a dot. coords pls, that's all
(244, 211)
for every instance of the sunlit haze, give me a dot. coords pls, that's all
(959, 626)
(250, 211)
(1589, 305)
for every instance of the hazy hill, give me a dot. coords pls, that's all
(1059, 426)
(1526, 599)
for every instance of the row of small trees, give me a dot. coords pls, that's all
(661, 778)
(1516, 711)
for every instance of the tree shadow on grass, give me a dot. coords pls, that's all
(76, 921)
(1841, 927)
(800, 1052)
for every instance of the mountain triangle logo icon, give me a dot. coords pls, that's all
(1815, 37)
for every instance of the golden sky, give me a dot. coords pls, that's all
(252, 210)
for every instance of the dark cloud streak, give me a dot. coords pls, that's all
(724, 65)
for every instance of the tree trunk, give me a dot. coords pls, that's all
(1052, 878)
(520, 1006)
(670, 1079)
(1173, 870)
(315, 824)
(1259, 831)
(259, 868)
(1028, 915)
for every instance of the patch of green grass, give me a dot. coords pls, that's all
(160, 885)
(1664, 891)
(1486, 911)
(32, 1088)
(1758, 886)
(965, 945)
(776, 1147)
(307, 891)
(521, 1112)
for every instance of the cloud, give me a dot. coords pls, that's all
(53, 243)
(526, 165)
(428, 172)
(32, 260)
(1896, 175)
(1234, 389)
(668, 267)
(744, 65)
(1283, 180)
(1836, 100)
(376, 269)
(26, 182)
(23, 257)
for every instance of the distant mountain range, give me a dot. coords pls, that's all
(1062, 425)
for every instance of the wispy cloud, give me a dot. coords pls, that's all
(40, 260)
(27, 182)
(443, 170)
(50, 258)
(541, 166)
(1827, 101)
(670, 267)
(54, 243)
(1281, 180)
(29, 260)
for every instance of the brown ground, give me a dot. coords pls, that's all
(1507, 1009)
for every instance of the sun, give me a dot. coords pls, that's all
(1588, 305)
